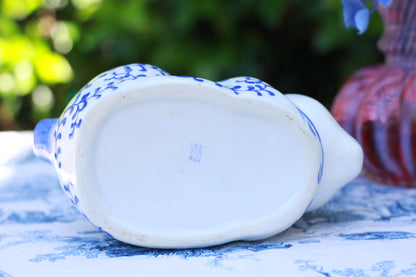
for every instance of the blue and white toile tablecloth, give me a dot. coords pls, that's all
(366, 230)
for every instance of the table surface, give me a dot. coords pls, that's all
(366, 230)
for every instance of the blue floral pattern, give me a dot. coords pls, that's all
(249, 85)
(112, 79)
(366, 230)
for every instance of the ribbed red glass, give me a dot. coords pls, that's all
(377, 104)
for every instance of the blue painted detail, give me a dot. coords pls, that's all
(42, 139)
(75, 125)
(315, 132)
(112, 79)
(67, 189)
(57, 152)
(307, 207)
(200, 80)
(105, 232)
(378, 235)
(250, 85)
(76, 200)
(195, 153)
(128, 72)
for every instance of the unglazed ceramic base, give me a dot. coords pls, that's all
(168, 167)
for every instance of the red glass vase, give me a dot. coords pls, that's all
(377, 104)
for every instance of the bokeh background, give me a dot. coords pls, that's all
(49, 49)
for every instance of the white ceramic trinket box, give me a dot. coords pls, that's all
(173, 162)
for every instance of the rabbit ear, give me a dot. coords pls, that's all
(343, 155)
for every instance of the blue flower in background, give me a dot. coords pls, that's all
(357, 14)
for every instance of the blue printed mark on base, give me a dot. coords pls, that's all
(195, 153)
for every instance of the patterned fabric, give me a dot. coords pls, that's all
(366, 230)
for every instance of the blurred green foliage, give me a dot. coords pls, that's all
(50, 48)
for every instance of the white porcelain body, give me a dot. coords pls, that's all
(172, 162)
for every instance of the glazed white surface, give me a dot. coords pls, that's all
(143, 154)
